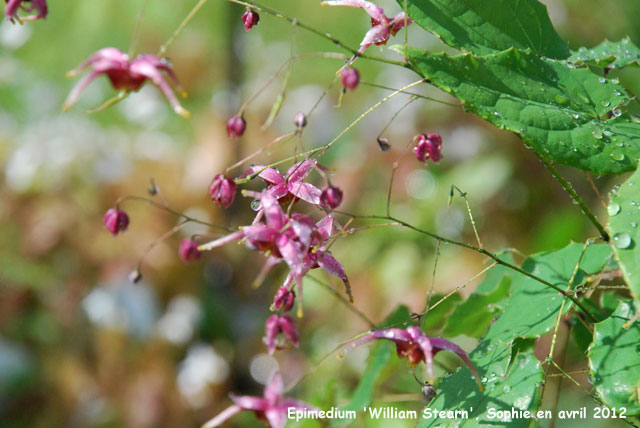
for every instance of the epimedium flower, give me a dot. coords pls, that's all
(250, 18)
(272, 407)
(350, 77)
(284, 299)
(382, 27)
(414, 344)
(116, 221)
(223, 190)
(188, 250)
(127, 75)
(331, 197)
(429, 146)
(13, 6)
(280, 332)
(236, 126)
(291, 184)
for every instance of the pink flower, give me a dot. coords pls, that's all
(277, 326)
(350, 78)
(416, 346)
(272, 407)
(250, 18)
(296, 240)
(331, 197)
(223, 190)
(236, 126)
(127, 75)
(429, 146)
(11, 11)
(116, 221)
(292, 184)
(284, 299)
(382, 27)
(188, 250)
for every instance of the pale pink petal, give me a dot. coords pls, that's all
(235, 236)
(291, 254)
(11, 10)
(247, 402)
(273, 390)
(259, 232)
(222, 417)
(273, 214)
(395, 334)
(425, 345)
(305, 191)
(271, 262)
(142, 67)
(330, 265)
(276, 417)
(73, 96)
(302, 226)
(278, 190)
(300, 170)
(325, 227)
(375, 12)
(378, 34)
(271, 176)
(397, 23)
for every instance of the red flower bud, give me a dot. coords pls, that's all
(331, 197)
(350, 78)
(236, 126)
(223, 190)
(249, 19)
(284, 299)
(277, 325)
(116, 221)
(188, 250)
(429, 146)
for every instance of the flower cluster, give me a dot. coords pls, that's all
(127, 75)
(428, 146)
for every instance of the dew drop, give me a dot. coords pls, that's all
(255, 205)
(597, 133)
(602, 80)
(618, 156)
(622, 240)
(613, 208)
(633, 224)
(506, 389)
(617, 112)
(605, 103)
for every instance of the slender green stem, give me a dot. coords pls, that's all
(572, 193)
(183, 24)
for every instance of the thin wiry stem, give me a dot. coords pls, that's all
(344, 301)
(183, 24)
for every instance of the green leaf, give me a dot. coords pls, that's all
(614, 359)
(624, 218)
(505, 387)
(608, 54)
(474, 315)
(436, 317)
(485, 27)
(558, 111)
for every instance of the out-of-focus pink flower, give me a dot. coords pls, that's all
(250, 18)
(223, 190)
(13, 6)
(416, 346)
(296, 240)
(116, 221)
(236, 126)
(188, 250)
(350, 77)
(272, 407)
(429, 146)
(127, 75)
(280, 332)
(382, 27)
(331, 197)
(284, 299)
(291, 184)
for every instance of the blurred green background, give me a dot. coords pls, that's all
(80, 346)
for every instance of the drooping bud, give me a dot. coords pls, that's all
(135, 276)
(284, 300)
(429, 146)
(223, 190)
(350, 78)
(116, 221)
(383, 143)
(249, 19)
(277, 325)
(236, 126)
(188, 250)
(331, 197)
(300, 120)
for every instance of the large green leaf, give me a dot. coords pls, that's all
(614, 359)
(485, 27)
(609, 54)
(559, 111)
(624, 218)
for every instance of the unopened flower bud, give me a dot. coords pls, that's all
(116, 221)
(331, 197)
(300, 121)
(277, 325)
(429, 146)
(383, 143)
(188, 250)
(350, 78)
(236, 126)
(223, 190)
(249, 19)
(284, 299)
(135, 276)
